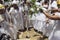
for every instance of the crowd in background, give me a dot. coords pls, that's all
(14, 17)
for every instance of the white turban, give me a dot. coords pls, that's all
(54, 4)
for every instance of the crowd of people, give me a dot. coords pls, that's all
(15, 17)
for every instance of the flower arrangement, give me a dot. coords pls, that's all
(35, 7)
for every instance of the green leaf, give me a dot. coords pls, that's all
(33, 0)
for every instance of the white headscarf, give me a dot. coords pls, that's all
(54, 4)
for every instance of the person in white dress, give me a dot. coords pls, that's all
(56, 31)
(16, 18)
(51, 23)
(44, 24)
(5, 26)
(16, 15)
(39, 20)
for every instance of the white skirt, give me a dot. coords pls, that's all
(49, 27)
(55, 34)
(39, 25)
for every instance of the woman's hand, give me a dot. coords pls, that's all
(53, 17)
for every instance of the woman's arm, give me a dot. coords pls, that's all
(53, 17)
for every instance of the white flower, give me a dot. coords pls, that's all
(32, 9)
(37, 3)
(37, 9)
(44, 9)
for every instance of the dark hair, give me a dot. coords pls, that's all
(46, 1)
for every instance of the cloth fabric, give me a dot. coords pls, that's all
(5, 26)
(55, 34)
(39, 22)
(17, 18)
(7, 29)
(49, 27)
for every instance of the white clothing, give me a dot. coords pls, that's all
(52, 23)
(49, 27)
(17, 18)
(55, 35)
(13, 14)
(39, 22)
